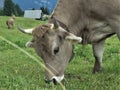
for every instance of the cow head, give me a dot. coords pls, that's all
(53, 44)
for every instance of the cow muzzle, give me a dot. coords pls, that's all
(55, 79)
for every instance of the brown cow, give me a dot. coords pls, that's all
(81, 21)
(10, 22)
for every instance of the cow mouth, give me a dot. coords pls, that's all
(55, 79)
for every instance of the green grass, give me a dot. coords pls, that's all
(19, 72)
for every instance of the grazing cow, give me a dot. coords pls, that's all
(10, 22)
(76, 21)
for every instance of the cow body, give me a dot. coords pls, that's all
(82, 16)
(93, 20)
(71, 20)
(10, 22)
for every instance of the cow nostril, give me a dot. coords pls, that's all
(48, 81)
(55, 82)
(56, 50)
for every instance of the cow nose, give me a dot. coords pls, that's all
(56, 50)
(55, 81)
(49, 81)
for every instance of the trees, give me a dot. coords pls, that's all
(18, 10)
(10, 8)
(33, 8)
(45, 10)
(1, 12)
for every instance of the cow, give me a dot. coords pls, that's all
(10, 22)
(74, 21)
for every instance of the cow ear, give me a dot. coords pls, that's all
(73, 38)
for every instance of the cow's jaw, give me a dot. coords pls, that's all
(57, 79)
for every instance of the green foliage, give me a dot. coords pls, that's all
(9, 8)
(19, 72)
(33, 8)
(18, 10)
(1, 12)
(12, 9)
(45, 10)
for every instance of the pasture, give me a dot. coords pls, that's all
(20, 72)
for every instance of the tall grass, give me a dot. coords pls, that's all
(19, 72)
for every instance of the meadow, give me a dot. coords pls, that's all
(20, 72)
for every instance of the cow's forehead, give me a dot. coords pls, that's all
(41, 30)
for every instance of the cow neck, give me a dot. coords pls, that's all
(67, 11)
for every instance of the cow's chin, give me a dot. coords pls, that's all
(55, 79)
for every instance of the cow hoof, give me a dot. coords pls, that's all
(97, 70)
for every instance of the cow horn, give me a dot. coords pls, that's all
(27, 31)
(55, 23)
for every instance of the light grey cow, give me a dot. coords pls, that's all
(10, 22)
(74, 21)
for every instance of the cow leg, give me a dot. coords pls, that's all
(98, 49)
(8, 27)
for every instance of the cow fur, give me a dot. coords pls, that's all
(10, 22)
(93, 20)
(80, 17)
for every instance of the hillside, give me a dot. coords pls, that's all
(19, 72)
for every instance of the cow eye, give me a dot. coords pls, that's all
(43, 37)
(56, 50)
(60, 37)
